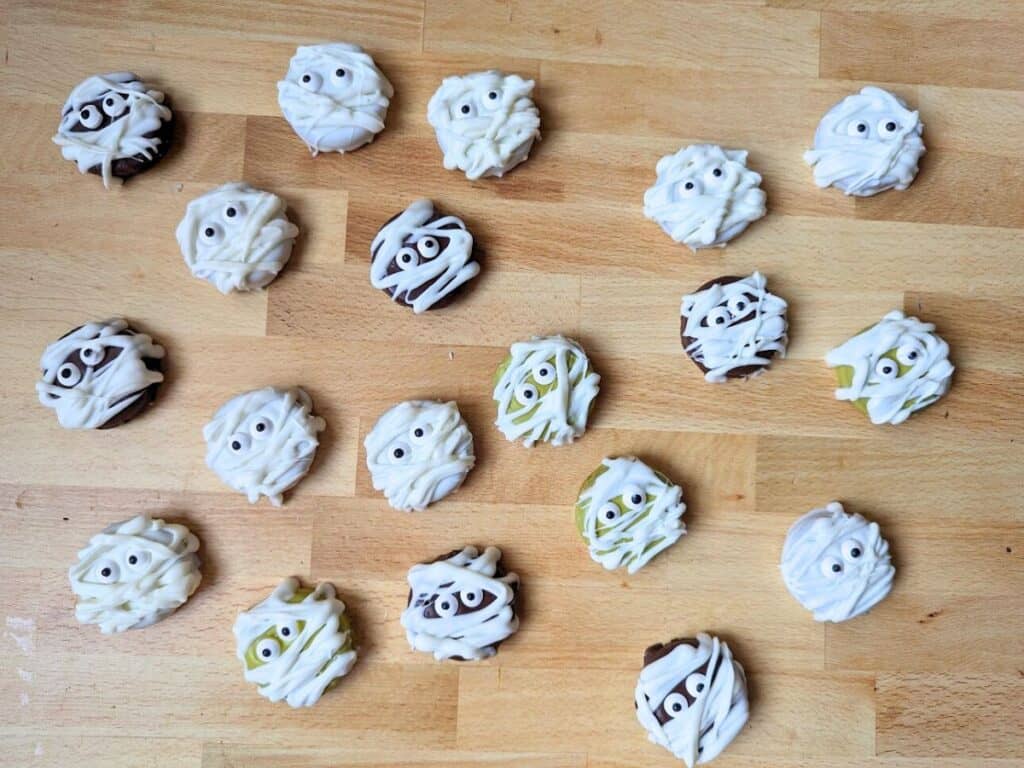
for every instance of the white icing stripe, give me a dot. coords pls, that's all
(458, 608)
(835, 564)
(632, 532)
(712, 711)
(425, 265)
(557, 415)
(87, 392)
(134, 574)
(486, 122)
(419, 452)
(134, 112)
(236, 237)
(867, 143)
(302, 651)
(334, 97)
(263, 442)
(704, 196)
(877, 377)
(723, 339)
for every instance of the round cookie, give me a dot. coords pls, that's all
(628, 513)
(418, 452)
(115, 126)
(236, 237)
(867, 143)
(692, 697)
(485, 122)
(545, 390)
(100, 375)
(704, 195)
(134, 574)
(296, 644)
(421, 258)
(334, 97)
(835, 564)
(263, 442)
(892, 369)
(461, 605)
(731, 328)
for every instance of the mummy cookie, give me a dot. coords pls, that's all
(421, 258)
(486, 122)
(100, 375)
(704, 195)
(628, 513)
(892, 369)
(263, 442)
(545, 390)
(692, 697)
(296, 644)
(732, 327)
(836, 564)
(334, 97)
(114, 126)
(134, 574)
(236, 237)
(867, 143)
(461, 606)
(419, 452)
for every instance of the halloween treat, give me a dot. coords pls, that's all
(732, 327)
(836, 564)
(461, 605)
(892, 369)
(704, 195)
(486, 122)
(296, 644)
(692, 697)
(867, 143)
(134, 574)
(628, 513)
(545, 390)
(418, 452)
(115, 126)
(100, 375)
(236, 237)
(334, 97)
(263, 442)
(422, 258)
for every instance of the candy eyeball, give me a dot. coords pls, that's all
(887, 369)
(675, 704)
(310, 81)
(852, 550)
(268, 649)
(114, 105)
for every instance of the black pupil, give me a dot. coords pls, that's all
(543, 371)
(676, 706)
(444, 606)
(861, 127)
(470, 596)
(110, 102)
(260, 427)
(636, 499)
(855, 552)
(236, 445)
(266, 653)
(399, 453)
(208, 232)
(230, 212)
(66, 373)
(86, 112)
(610, 514)
(306, 78)
(339, 72)
(890, 126)
(836, 567)
(528, 394)
(418, 432)
(689, 185)
(700, 687)
(105, 572)
(912, 355)
(492, 95)
(716, 172)
(465, 109)
(133, 560)
(286, 631)
(719, 320)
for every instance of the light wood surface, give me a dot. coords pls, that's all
(933, 677)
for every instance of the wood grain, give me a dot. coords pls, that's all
(932, 677)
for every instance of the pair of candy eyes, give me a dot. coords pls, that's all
(212, 232)
(108, 571)
(313, 82)
(261, 429)
(633, 498)
(467, 107)
(852, 550)
(907, 354)
(886, 128)
(734, 309)
(426, 247)
(446, 606)
(399, 452)
(695, 187)
(528, 394)
(269, 648)
(676, 704)
(113, 106)
(69, 374)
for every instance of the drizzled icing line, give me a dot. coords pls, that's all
(458, 608)
(835, 564)
(134, 574)
(630, 514)
(301, 647)
(725, 335)
(236, 237)
(552, 394)
(418, 452)
(434, 256)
